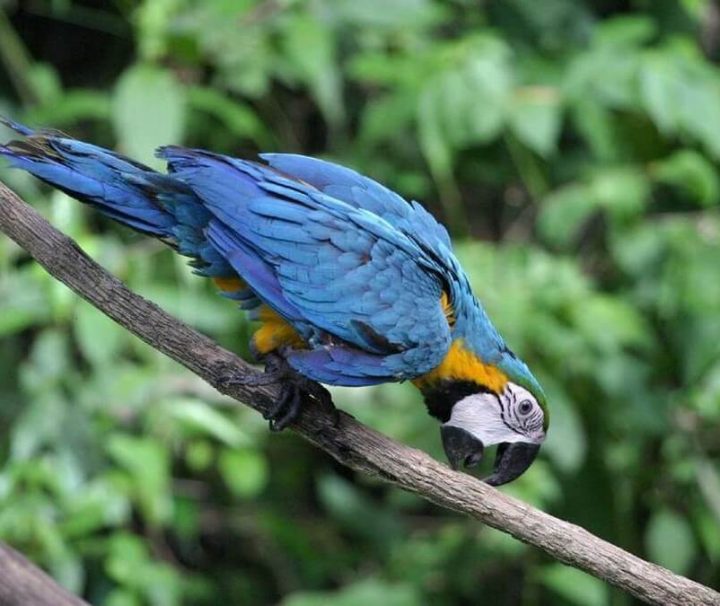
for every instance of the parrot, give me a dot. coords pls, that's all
(350, 283)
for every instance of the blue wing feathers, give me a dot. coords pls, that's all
(360, 191)
(329, 260)
(254, 270)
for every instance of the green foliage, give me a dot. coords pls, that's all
(576, 142)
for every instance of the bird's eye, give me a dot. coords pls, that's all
(525, 407)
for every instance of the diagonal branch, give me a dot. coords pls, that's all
(24, 584)
(350, 442)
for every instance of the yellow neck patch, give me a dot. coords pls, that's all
(463, 365)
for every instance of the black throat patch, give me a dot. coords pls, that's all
(440, 397)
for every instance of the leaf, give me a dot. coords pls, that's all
(670, 541)
(244, 471)
(707, 522)
(454, 106)
(489, 78)
(148, 111)
(72, 107)
(101, 503)
(433, 143)
(238, 117)
(385, 117)
(361, 593)
(153, 26)
(120, 597)
(311, 47)
(45, 82)
(21, 302)
(199, 455)
(200, 309)
(147, 463)
(564, 211)
(100, 339)
(573, 585)
(699, 102)
(50, 359)
(682, 94)
(622, 192)
(595, 123)
(206, 419)
(625, 31)
(398, 14)
(609, 323)
(567, 441)
(356, 512)
(659, 88)
(535, 118)
(692, 172)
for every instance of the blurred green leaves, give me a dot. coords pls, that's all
(670, 541)
(148, 111)
(575, 586)
(359, 594)
(690, 171)
(147, 466)
(578, 146)
(245, 472)
(536, 119)
(310, 45)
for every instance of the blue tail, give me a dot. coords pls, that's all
(117, 186)
(124, 190)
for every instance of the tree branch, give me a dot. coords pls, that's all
(350, 442)
(24, 584)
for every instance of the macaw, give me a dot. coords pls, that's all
(351, 284)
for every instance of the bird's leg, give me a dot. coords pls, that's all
(295, 391)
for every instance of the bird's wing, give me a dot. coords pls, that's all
(474, 327)
(364, 295)
(362, 192)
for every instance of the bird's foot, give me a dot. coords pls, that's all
(296, 391)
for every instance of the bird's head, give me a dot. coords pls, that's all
(515, 419)
(482, 406)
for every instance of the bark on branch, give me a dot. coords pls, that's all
(350, 442)
(24, 584)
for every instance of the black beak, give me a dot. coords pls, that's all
(461, 447)
(511, 461)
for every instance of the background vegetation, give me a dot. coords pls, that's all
(571, 146)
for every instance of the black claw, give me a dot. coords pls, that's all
(335, 413)
(279, 405)
(289, 413)
(295, 391)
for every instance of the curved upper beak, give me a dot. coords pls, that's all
(511, 461)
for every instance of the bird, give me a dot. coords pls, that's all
(351, 284)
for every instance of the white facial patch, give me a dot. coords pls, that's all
(513, 416)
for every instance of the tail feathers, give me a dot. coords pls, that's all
(157, 204)
(16, 126)
(93, 175)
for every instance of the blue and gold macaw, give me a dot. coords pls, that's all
(352, 285)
